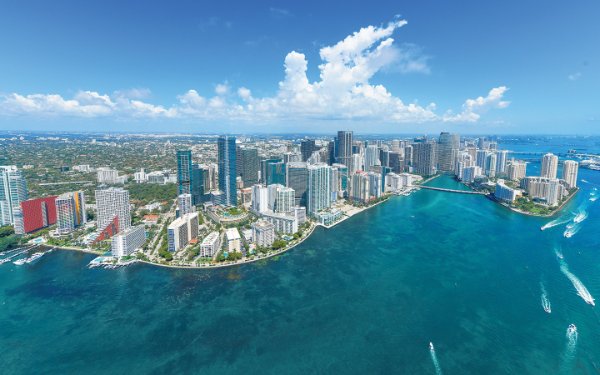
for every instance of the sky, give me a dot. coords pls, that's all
(473, 67)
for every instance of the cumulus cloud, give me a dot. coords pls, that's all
(343, 91)
(473, 108)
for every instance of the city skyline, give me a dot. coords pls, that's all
(381, 67)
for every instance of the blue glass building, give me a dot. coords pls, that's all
(184, 171)
(227, 169)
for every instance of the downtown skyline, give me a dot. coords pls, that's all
(211, 70)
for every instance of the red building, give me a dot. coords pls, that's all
(38, 213)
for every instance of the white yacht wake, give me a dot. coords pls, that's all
(555, 222)
(571, 230)
(570, 349)
(581, 289)
(436, 364)
(545, 301)
(581, 216)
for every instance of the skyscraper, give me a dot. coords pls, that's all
(501, 161)
(227, 169)
(200, 180)
(344, 148)
(111, 203)
(549, 165)
(249, 165)
(319, 189)
(297, 179)
(448, 146)
(13, 190)
(371, 157)
(307, 147)
(184, 171)
(424, 158)
(570, 170)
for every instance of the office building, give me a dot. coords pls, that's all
(111, 203)
(344, 148)
(200, 184)
(210, 245)
(263, 233)
(549, 165)
(13, 191)
(184, 171)
(297, 179)
(570, 171)
(249, 165)
(307, 148)
(371, 157)
(227, 169)
(70, 212)
(276, 172)
(128, 241)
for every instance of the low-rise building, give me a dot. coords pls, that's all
(505, 193)
(234, 241)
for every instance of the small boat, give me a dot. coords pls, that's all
(20, 262)
(34, 257)
(431, 346)
(572, 329)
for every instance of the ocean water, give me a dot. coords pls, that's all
(364, 297)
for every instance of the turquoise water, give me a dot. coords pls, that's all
(364, 297)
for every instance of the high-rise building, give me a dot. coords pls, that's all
(13, 191)
(547, 190)
(200, 184)
(227, 169)
(424, 158)
(505, 193)
(307, 147)
(184, 171)
(375, 185)
(501, 161)
(285, 200)
(181, 231)
(234, 241)
(37, 214)
(517, 170)
(111, 203)
(276, 173)
(549, 165)
(359, 190)
(319, 189)
(344, 148)
(249, 165)
(109, 176)
(371, 157)
(297, 179)
(260, 198)
(70, 212)
(448, 145)
(210, 245)
(570, 170)
(490, 164)
(184, 203)
(126, 242)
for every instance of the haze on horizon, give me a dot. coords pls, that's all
(287, 67)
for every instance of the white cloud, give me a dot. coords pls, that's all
(473, 108)
(574, 76)
(343, 91)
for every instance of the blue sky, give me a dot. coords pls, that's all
(302, 66)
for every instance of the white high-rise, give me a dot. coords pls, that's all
(319, 188)
(570, 170)
(126, 242)
(111, 203)
(260, 198)
(13, 190)
(517, 170)
(371, 157)
(549, 165)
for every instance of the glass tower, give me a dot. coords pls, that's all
(227, 169)
(184, 171)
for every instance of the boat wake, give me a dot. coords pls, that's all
(555, 222)
(581, 289)
(570, 349)
(558, 253)
(581, 216)
(594, 198)
(571, 230)
(545, 301)
(436, 364)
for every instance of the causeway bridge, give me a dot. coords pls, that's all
(453, 190)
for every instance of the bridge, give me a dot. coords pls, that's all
(453, 190)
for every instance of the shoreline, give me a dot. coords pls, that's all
(556, 211)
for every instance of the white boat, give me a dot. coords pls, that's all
(34, 257)
(431, 346)
(568, 234)
(20, 262)
(572, 329)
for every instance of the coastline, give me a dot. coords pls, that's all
(556, 211)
